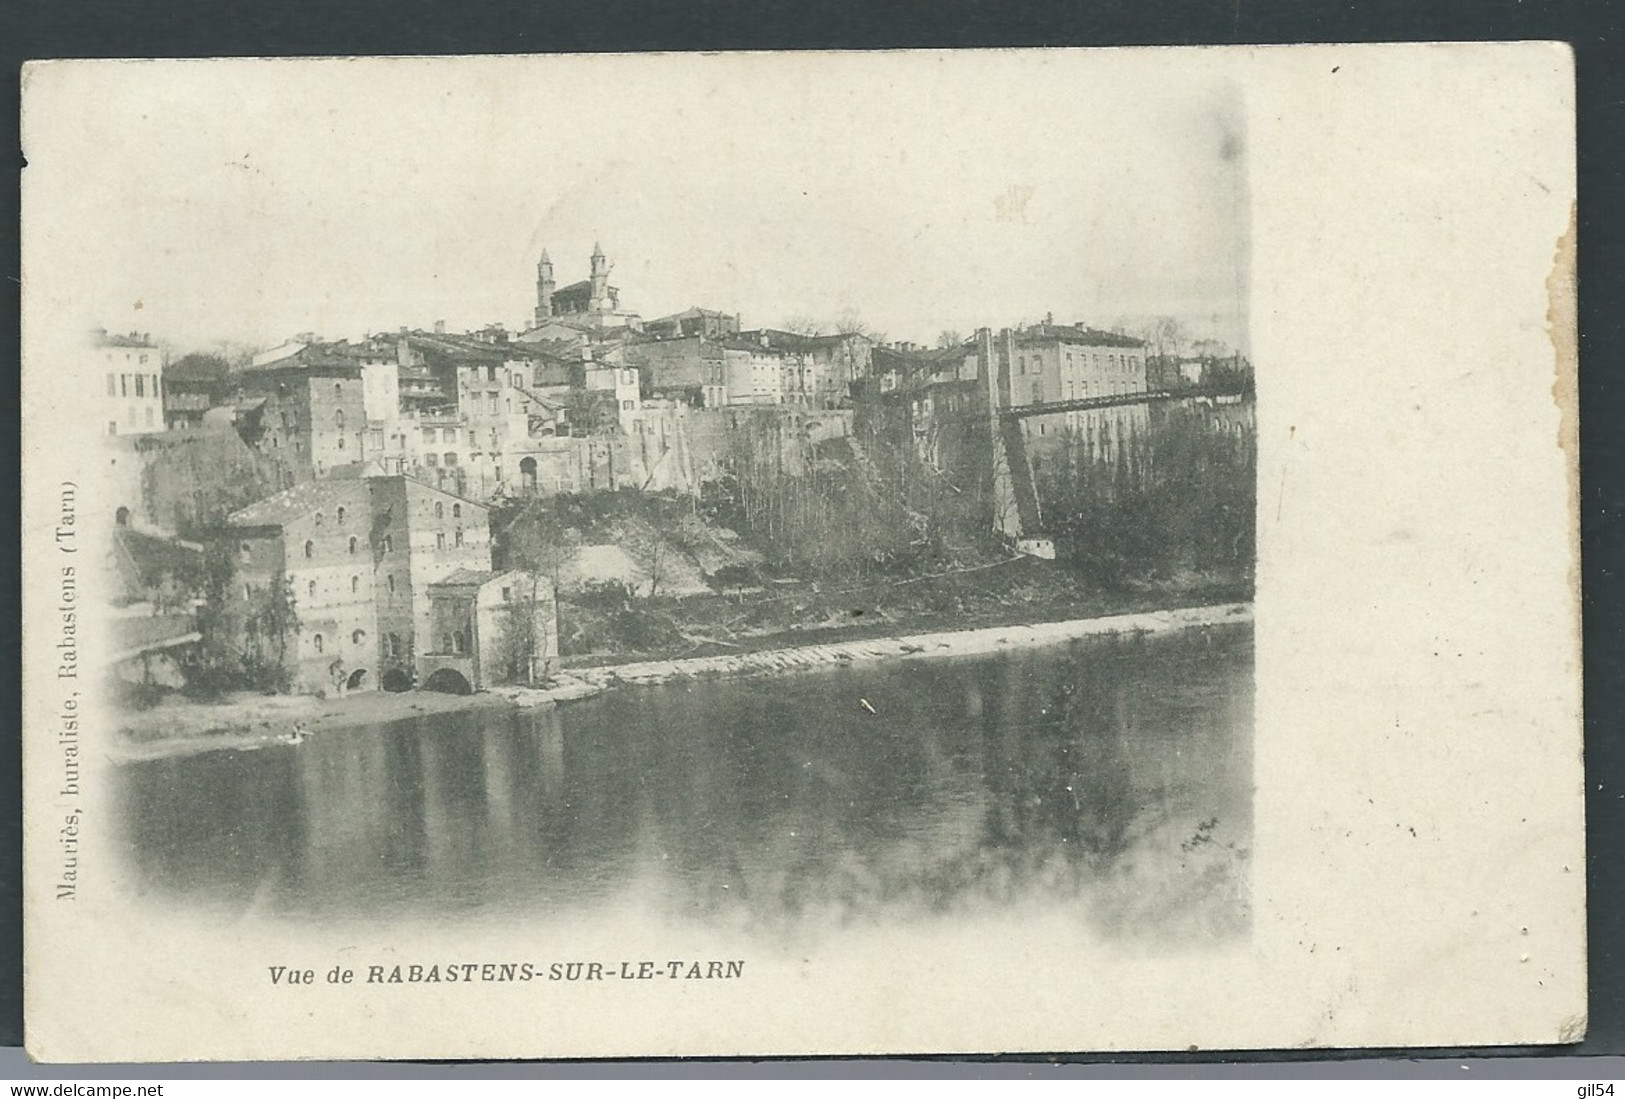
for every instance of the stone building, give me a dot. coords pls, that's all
(753, 372)
(688, 369)
(1051, 362)
(307, 412)
(818, 371)
(707, 323)
(132, 367)
(489, 628)
(193, 385)
(349, 559)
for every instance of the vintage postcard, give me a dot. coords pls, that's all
(816, 553)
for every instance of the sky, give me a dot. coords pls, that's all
(247, 201)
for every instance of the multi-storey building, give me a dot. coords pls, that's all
(689, 369)
(708, 323)
(132, 367)
(818, 370)
(334, 574)
(1052, 362)
(308, 412)
(192, 386)
(754, 372)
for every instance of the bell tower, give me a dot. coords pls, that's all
(544, 289)
(599, 300)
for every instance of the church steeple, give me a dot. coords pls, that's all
(544, 289)
(599, 302)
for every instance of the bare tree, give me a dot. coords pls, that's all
(803, 325)
(849, 322)
(949, 337)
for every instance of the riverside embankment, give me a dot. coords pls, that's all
(250, 722)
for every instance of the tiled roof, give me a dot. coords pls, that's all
(466, 576)
(113, 339)
(454, 348)
(1090, 337)
(313, 357)
(293, 503)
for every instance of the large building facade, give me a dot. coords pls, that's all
(333, 575)
(132, 369)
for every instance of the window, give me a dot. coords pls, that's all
(440, 540)
(457, 511)
(428, 434)
(448, 459)
(338, 390)
(491, 403)
(458, 644)
(245, 552)
(143, 360)
(319, 518)
(358, 637)
(310, 589)
(341, 442)
(507, 595)
(248, 591)
(123, 385)
(353, 543)
(474, 437)
(140, 385)
(310, 549)
(112, 427)
(439, 510)
(316, 642)
(431, 460)
(389, 546)
(394, 644)
(459, 536)
(338, 418)
(112, 386)
(626, 406)
(341, 517)
(390, 580)
(490, 373)
(355, 584)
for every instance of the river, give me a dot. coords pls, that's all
(1112, 777)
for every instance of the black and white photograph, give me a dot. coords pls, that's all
(608, 542)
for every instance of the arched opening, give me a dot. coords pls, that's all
(357, 678)
(448, 681)
(122, 517)
(527, 474)
(396, 680)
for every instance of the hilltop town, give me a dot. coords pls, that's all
(462, 510)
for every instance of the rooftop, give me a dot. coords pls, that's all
(293, 503)
(1074, 333)
(105, 338)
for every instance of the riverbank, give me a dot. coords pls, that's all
(248, 722)
(977, 642)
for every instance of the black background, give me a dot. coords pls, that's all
(195, 28)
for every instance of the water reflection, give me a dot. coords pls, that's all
(1112, 778)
